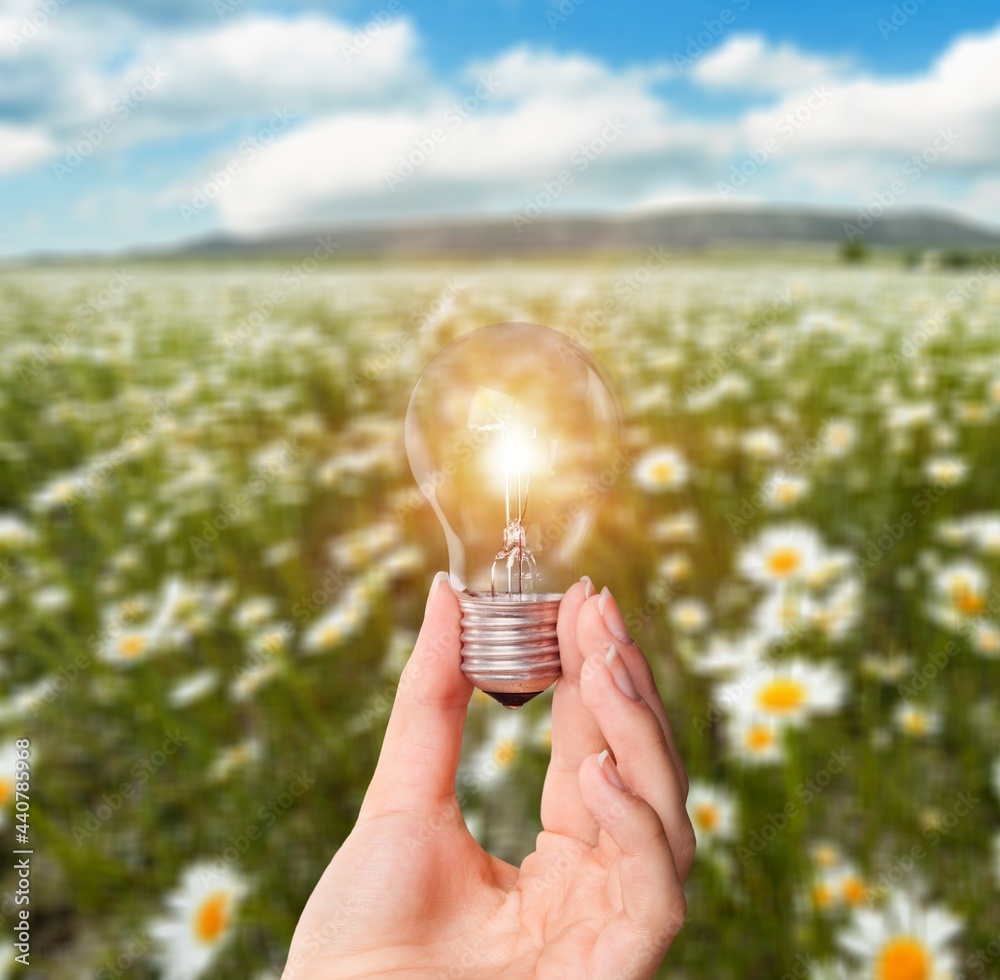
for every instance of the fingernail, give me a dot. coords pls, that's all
(619, 672)
(612, 616)
(610, 771)
(588, 587)
(436, 584)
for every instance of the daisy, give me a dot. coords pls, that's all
(675, 568)
(904, 940)
(915, 721)
(192, 688)
(986, 640)
(839, 437)
(789, 692)
(728, 656)
(250, 679)
(234, 757)
(680, 528)
(781, 554)
(254, 612)
(689, 615)
(889, 669)
(14, 533)
(762, 443)
(332, 628)
(712, 812)
(755, 739)
(498, 753)
(661, 469)
(199, 921)
(948, 470)
(985, 533)
(785, 491)
(959, 593)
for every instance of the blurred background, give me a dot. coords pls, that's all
(231, 235)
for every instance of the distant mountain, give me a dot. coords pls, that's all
(688, 228)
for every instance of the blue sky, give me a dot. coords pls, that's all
(124, 124)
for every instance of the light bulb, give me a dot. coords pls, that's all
(513, 436)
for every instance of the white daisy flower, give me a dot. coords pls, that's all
(986, 640)
(781, 554)
(948, 470)
(904, 940)
(762, 443)
(492, 760)
(15, 533)
(754, 738)
(728, 656)
(839, 436)
(785, 491)
(959, 593)
(254, 612)
(661, 469)
(788, 692)
(332, 628)
(250, 679)
(689, 615)
(713, 813)
(916, 721)
(679, 528)
(234, 757)
(199, 922)
(193, 688)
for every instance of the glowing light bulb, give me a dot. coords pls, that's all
(511, 432)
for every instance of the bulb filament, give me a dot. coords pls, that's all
(514, 558)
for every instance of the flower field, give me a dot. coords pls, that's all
(213, 561)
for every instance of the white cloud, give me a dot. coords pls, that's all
(748, 62)
(608, 131)
(22, 147)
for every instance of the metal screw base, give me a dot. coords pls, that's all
(510, 649)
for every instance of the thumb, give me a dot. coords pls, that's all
(419, 759)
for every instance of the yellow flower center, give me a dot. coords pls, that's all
(904, 958)
(662, 472)
(822, 895)
(783, 562)
(329, 635)
(855, 892)
(212, 918)
(504, 754)
(707, 816)
(759, 738)
(968, 601)
(915, 722)
(133, 646)
(6, 790)
(782, 696)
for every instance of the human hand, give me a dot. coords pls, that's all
(412, 893)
